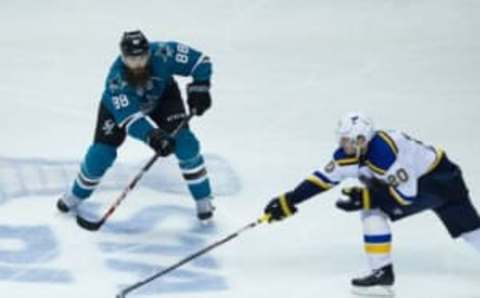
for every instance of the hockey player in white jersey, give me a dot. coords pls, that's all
(401, 176)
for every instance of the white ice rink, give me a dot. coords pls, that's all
(284, 72)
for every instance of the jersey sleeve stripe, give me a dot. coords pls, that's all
(438, 158)
(325, 178)
(401, 199)
(374, 168)
(304, 191)
(319, 182)
(389, 141)
(347, 161)
(197, 63)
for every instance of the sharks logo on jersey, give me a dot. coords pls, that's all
(108, 127)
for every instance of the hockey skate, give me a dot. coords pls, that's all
(379, 283)
(67, 202)
(205, 210)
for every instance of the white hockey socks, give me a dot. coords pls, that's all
(377, 238)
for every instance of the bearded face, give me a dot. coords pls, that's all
(137, 69)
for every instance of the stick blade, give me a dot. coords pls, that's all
(89, 225)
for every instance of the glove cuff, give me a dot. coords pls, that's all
(285, 205)
(198, 87)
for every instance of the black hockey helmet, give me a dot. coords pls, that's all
(134, 43)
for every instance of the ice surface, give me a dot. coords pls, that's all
(284, 72)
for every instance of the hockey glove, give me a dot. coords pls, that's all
(279, 208)
(161, 142)
(357, 198)
(198, 97)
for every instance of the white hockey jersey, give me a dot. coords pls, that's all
(392, 157)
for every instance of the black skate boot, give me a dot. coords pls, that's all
(378, 283)
(67, 202)
(62, 207)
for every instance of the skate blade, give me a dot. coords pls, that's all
(375, 291)
(206, 222)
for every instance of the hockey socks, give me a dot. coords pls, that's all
(377, 238)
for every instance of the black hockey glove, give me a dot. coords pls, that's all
(279, 208)
(357, 198)
(198, 97)
(161, 142)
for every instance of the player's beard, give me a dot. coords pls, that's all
(137, 77)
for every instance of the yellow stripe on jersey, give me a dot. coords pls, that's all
(367, 201)
(378, 248)
(319, 182)
(374, 168)
(389, 141)
(284, 205)
(398, 197)
(438, 158)
(347, 161)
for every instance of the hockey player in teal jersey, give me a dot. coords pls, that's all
(142, 100)
(401, 176)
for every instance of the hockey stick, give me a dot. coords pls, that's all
(95, 225)
(141, 283)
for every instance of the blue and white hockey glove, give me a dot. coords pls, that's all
(279, 208)
(356, 198)
(198, 97)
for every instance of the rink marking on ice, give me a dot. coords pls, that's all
(30, 253)
(29, 261)
(20, 178)
(128, 245)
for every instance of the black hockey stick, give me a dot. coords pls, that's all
(141, 283)
(95, 225)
